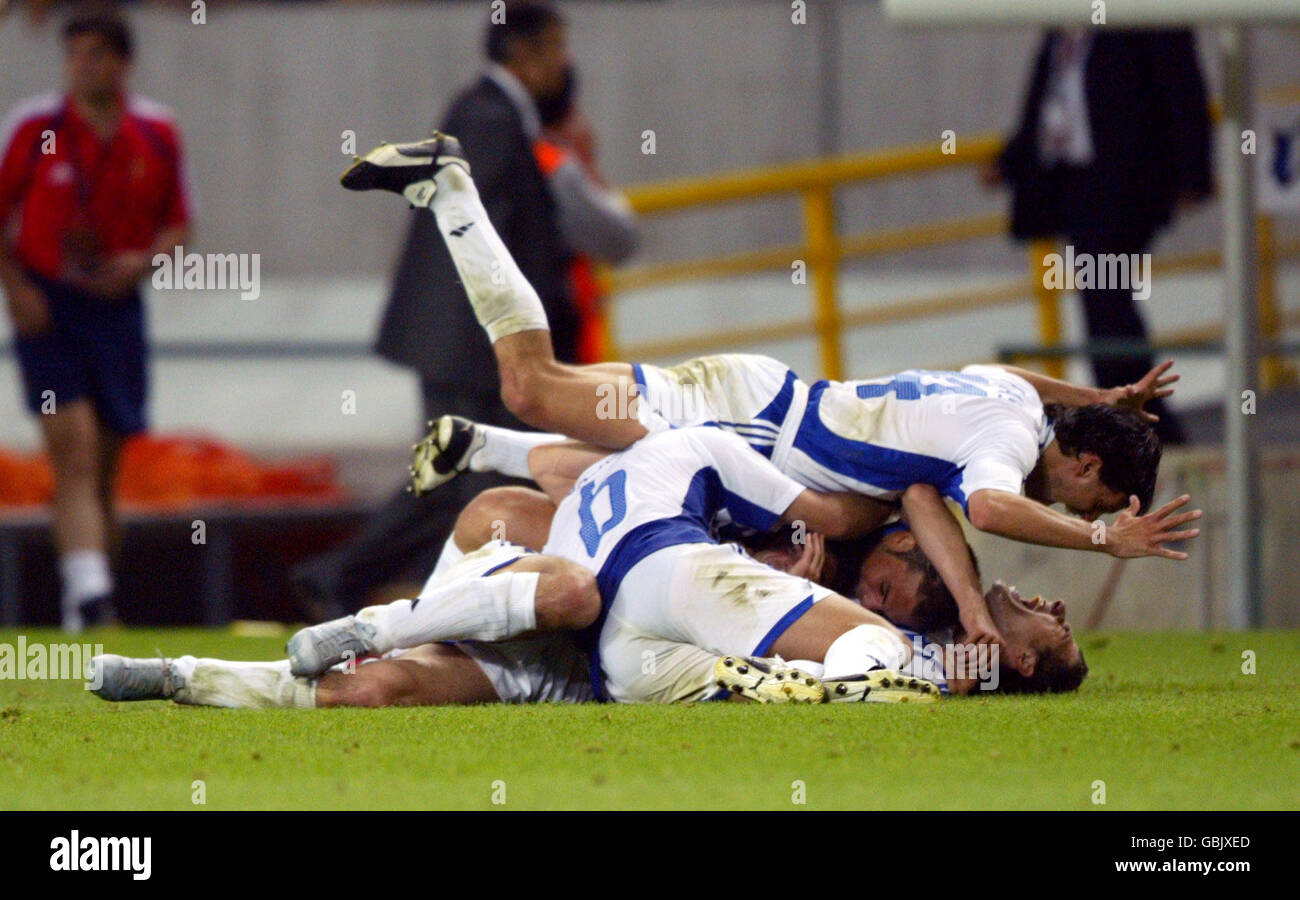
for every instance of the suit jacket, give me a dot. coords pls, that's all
(1150, 134)
(429, 325)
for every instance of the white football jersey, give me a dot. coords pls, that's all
(666, 489)
(982, 427)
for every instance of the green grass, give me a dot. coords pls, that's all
(1167, 721)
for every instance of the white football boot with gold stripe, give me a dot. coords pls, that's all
(767, 680)
(881, 686)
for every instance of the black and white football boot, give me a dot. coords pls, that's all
(444, 453)
(405, 169)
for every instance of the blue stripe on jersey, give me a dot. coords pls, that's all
(639, 375)
(881, 467)
(504, 564)
(762, 444)
(756, 426)
(777, 410)
(705, 497)
(764, 647)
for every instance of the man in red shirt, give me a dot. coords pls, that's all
(90, 189)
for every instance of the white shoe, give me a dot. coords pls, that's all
(881, 686)
(767, 680)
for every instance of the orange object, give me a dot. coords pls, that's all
(593, 332)
(549, 156)
(165, 471)
(25, 480)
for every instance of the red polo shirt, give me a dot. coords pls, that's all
(109, 196)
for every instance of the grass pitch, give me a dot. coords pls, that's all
(1166, 721)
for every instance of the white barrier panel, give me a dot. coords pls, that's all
(1089, 12)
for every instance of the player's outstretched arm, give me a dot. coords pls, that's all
(1154, 385)
(940, 538)
(1131, 535)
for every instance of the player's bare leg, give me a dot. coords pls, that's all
(430, 675)
(597, 404)
(536, 387)
(519, 515)
(814, 636)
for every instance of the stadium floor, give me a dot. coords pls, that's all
(1166, 721)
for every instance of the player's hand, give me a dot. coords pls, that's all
(1154, 385)
(29, 309)
(812, 560)
(978, 625)
(1132, 535)
(117, 277)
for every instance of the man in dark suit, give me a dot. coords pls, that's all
(1114, 137)
(429, 325)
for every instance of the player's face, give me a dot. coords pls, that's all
(889, 586)
(94, 71)
(1031, 628)
(1077, 485)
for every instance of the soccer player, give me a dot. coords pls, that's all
(550, 667)
(642, 520)
(983, 436)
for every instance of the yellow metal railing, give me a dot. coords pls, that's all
(824, 248)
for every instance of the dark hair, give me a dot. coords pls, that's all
(1128, 446)
(105, 22)
(1052, 675)
(523, 20)
(936, 608)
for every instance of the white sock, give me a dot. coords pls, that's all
(242, 685)
(505, 450)
(503, 300)
(866, 647)
(478, 609)
(450, 555)
(85, 576)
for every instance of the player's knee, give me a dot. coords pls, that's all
(485, 517)
(521, 393)
(567, 598)
(530, 386)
